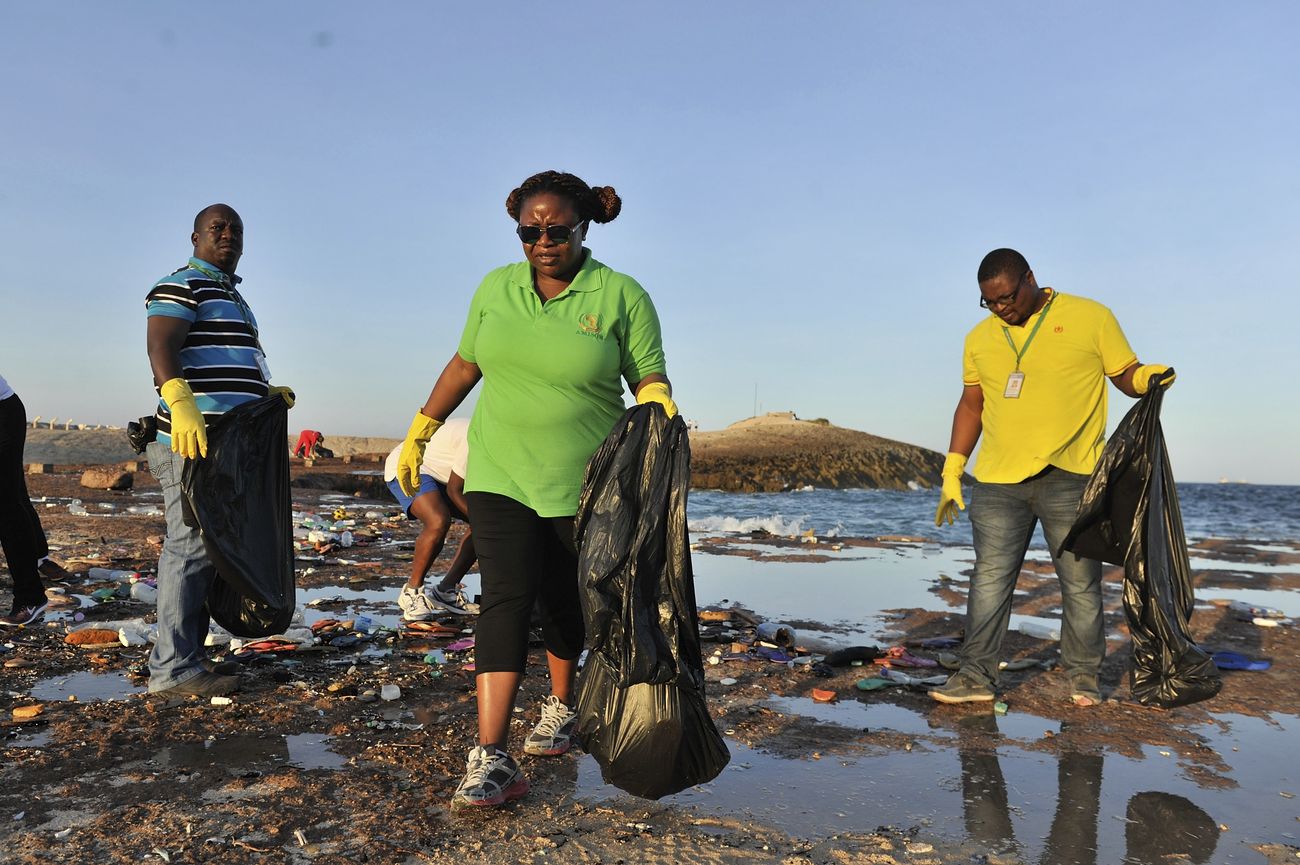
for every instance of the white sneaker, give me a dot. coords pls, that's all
(415, 605)
(491, 778)
(453, 601)
(553, 734)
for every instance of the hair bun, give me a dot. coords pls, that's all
(609, 204)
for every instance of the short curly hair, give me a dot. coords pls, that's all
(1002, 262)
(598, 204)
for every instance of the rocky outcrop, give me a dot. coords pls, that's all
(107, 478)
(780, 452)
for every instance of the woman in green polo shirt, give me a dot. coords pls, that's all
(553, 338)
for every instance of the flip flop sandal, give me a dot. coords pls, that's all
(271, 645)
(460, 645)
(873, 683)
(433, 629)
(1235, 661)
(821, 695)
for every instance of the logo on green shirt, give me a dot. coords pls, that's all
(589, 325)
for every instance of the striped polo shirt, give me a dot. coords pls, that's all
(219, 357)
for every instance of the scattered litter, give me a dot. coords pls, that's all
(1041, 630)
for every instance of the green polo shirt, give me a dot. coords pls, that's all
(552, 378)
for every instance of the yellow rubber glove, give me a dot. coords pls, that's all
(189, 430)
(950, 500)
(1142, 376)
(658, 391)
(286, 392)
(412, 456)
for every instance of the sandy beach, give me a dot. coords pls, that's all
(307, 763)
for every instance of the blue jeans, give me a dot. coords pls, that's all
(184, 577)
(1002, 520)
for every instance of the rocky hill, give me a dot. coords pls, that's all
(103, 446)
(779, 452)
(763, 454)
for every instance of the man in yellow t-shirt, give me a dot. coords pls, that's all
(1034, 375)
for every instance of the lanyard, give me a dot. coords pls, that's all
(245, 312)
(1032, 333)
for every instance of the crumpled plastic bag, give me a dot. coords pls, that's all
(641, 707)
(1129, 515)
(238, 496)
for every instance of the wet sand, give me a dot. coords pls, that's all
(302, 767)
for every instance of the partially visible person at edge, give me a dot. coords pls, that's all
(207, 358)
(553, 338)
(439, 498)
(21, 535)
(1034, 375)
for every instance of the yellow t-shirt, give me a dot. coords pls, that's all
(1059, 419)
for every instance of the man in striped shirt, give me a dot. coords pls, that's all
(207, 358)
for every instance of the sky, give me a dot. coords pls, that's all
(808, 189)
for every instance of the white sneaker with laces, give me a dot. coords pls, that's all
(553, 734)
(453, 601)
(415, 605)
(491, 778)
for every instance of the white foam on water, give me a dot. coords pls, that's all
(775, 524)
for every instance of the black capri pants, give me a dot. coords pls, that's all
(523, 559)
(21, 535)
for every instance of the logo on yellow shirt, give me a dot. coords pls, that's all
(589, 324)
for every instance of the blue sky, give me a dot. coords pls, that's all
(808, 189)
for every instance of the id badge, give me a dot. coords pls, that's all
(261, 364)
(1015, 382)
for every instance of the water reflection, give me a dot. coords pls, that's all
(1014, 801)
(1160, 826)
(244, 755)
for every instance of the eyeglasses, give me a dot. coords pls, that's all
(1006, 299)
(556, 233)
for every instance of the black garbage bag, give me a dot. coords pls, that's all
(641, 707)
(1129, 516)
(238, 496)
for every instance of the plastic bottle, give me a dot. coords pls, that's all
(110, 574)
(1041, 630)
(144, 592)
(364, 624)
(779, 634)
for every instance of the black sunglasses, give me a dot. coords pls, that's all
(556, 233)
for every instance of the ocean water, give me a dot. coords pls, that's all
(1253, 512)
